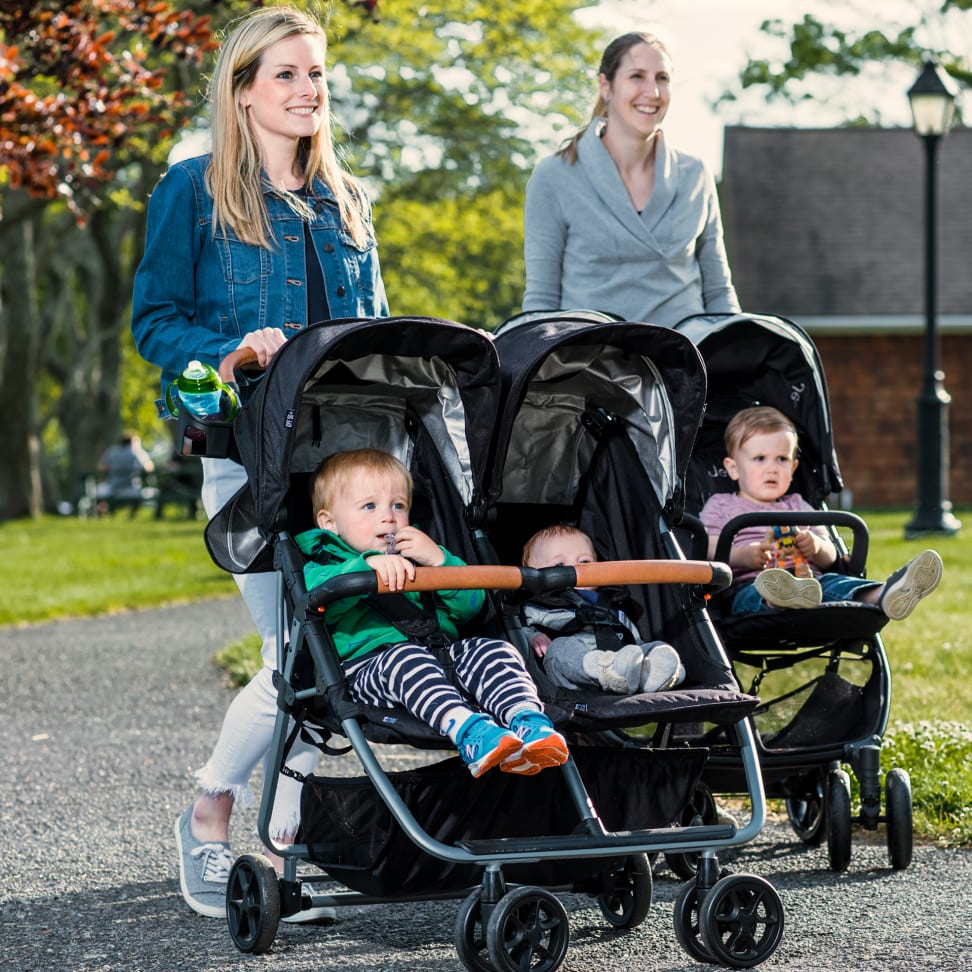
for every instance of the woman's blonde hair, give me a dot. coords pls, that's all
(234, 174)
(610, 62)
(339, 471)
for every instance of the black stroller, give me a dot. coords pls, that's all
(597, 426)
(427, 391)
(822, 675)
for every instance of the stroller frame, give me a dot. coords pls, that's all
(731, 918)
(782, 369)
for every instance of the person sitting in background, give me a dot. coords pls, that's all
(124, 466)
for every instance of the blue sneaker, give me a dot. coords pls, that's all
(542, 745)
(483, 744)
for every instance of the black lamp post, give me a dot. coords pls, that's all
(932, 99)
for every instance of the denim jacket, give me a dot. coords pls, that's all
(197, 295)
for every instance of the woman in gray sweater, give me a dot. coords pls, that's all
(620, 221)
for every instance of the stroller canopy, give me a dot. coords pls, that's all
(351, 384)
(595, 368)
(765, 360)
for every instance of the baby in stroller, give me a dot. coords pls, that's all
(761, 456)
(395, 648)
(584, 637)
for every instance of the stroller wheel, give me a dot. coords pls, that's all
(838, 819)
(701, 810)
(471, 935)
(628, 899)
(528, 929)
(806, 813)
(897, 799)
(686, 918)
(741, 920)
(253, 903)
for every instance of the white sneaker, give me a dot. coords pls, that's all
(909, 584)
(661, 668)
(780, 589)
(616, 671)
(323, 915)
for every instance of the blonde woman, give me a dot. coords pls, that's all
(244, 247)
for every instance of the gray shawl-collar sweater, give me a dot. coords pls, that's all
(587, 247)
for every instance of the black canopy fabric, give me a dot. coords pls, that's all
(667, 360)
(761, 360)
(412, 371)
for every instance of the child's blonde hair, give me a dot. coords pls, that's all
(758, 420)
(550, 533)
(338, 472)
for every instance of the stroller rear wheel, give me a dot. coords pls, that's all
(701, 810)
(806, 812)
(528, 929)
(741, 920)
(838, 819)
(897, 799)
(253, 903)
(627, 901)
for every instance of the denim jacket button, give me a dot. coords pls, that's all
(328, 247)
(318, 207)
(341, 291)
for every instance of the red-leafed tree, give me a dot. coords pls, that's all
(88, 90)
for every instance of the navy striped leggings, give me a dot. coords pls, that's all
(485, 669)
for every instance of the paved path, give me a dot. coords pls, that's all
(102, 722)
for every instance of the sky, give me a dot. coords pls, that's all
(711, 40)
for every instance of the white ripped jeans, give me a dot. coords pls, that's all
(247, 730)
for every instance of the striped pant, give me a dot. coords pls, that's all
(485, 669)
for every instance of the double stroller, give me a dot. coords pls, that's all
(555, 418)
(822, 675)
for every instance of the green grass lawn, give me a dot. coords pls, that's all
(59, 567)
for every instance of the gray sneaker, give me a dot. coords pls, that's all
(909, 584)
(203, 870)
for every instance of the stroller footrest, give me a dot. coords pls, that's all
(664, 837)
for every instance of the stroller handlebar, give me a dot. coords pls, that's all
(235, 359)
(715, 576)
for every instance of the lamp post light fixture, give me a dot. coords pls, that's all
(932, 99)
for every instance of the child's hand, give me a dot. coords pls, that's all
(816, 549)
(751, 556)
(540, 643)
(419, 547)
(393, 570)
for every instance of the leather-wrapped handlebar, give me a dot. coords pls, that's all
(712, 575)
(237, 358)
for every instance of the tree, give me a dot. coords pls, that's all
(440, 116)
(818, 52)
(84, 97)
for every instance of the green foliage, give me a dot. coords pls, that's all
(817, 48)
(241, 660)
(938, 756)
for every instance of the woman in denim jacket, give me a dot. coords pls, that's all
(244, 247)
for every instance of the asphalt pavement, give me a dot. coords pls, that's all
(103, 721)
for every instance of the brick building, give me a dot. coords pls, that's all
(826, 227)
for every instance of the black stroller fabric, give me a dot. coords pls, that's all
(354, 837)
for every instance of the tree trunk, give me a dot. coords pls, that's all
(20, 480)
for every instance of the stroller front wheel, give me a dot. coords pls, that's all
(528, 929)
(471, 934)
(253, 903)
(899, 812)
(838, 819)
(741, 919)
